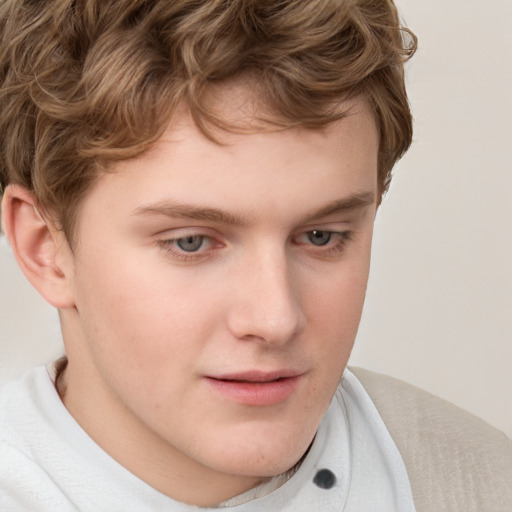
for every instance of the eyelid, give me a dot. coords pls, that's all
(329, 224)
(167, 239)
(333, 250)
(345, 233)
(185, 231)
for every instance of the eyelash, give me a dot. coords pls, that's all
(336, 244)
(170, 246)
(334, 247)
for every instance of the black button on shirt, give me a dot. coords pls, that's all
(325, 479)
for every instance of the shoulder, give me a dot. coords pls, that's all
(455, 460)
(26, 445)
(20, 408)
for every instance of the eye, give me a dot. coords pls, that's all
(319, 237)
(324, 243)
(190, 243)
(190, 246)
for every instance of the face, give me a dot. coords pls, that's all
(218, 290)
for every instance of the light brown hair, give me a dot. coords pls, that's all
(84, 83)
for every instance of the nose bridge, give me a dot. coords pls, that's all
(267, 306)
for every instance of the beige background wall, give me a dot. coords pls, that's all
(439, 304)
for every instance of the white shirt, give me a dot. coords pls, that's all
(48, 463)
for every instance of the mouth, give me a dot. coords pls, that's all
(256, 388)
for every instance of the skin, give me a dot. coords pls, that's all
(275, 283)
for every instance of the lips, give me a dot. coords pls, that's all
(257, 376)
(256, 388)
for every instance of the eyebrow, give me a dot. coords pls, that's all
(184, 211)
(352, 202)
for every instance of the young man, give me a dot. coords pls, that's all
(193, 185)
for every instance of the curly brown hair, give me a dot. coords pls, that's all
(84, 83)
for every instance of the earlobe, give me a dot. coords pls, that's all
(40, 250)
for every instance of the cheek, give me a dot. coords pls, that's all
(334, 313)
(141, 319)
(337, 299)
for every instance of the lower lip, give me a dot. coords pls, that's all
(256, 393)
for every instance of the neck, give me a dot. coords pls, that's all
(144, 454)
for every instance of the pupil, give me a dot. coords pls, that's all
(190, 243)
(320, 237)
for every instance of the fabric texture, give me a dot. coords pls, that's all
(455, 461)
(48, 463)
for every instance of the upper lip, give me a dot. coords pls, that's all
(257, 375)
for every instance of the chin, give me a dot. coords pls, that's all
(263, 459)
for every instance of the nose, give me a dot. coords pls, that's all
(266, 304)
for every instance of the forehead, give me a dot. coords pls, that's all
(286, 171)
(246, 121)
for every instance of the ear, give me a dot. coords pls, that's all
(41, 251)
